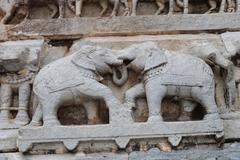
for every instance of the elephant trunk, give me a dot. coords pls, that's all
(120, 75)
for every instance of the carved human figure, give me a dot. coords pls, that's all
(77, 77)
(16, 76)
(168, 74)
(103, 3)
(160, 3)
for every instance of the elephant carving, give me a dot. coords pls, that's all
(160, 3)
(103, 3)
(168, 74)
(9, 7)
(75, 78)
(228, 5)
(56, 6)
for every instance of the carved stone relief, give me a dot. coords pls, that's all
(32, 9)
(19, 63)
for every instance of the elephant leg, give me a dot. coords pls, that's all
(104, 4)
(79, 6)
(161, 6)
(206, 97)
(37, 117)
(6, 101)
(8, 16)
(133, 93)
(61, 6)
(171, 6)
(118, 112)
(186, 4)
(91, 107)
(22, 117)
(155, 93)
(222, 6)
(231, 6)
(115, 8)
(134, 7)
(54, 9)
(213, 6)
(50, 107)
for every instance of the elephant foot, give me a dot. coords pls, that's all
(51, 122)
(212, 116)
(22, 119)
(34, 124)
(155, 119)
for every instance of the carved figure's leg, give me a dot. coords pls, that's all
(134, 7)
(37, 117)
(213, 6)
(79, 5)
(8, 16)
(133, 93)
(118, 112)
(115, 8)
(222, 6)
(50, 107)
(127, 9)
(155, 93)
(61, 6)
(238, 6)
(104, 4)
(186, 4)
(161, 6)
(171, 6)
(91, 107)
(54, 9)
(6, 101)
(231, 6)
(22, 117)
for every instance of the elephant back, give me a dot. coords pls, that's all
(59, 75)
(186, 70)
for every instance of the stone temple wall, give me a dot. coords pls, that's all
(129, 79)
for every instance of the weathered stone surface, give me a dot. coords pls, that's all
(8, 140)
(81, 27)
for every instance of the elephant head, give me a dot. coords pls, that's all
(96, 59)
(144, 57)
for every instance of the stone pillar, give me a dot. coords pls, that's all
(6, 100)
(22, 117)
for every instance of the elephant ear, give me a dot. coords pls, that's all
(83, 60)
(155, 58)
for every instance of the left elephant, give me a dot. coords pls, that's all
(9, 7)
(76, 78)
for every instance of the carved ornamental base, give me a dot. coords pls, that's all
(73, 136)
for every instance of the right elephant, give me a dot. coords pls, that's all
(167, 74)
